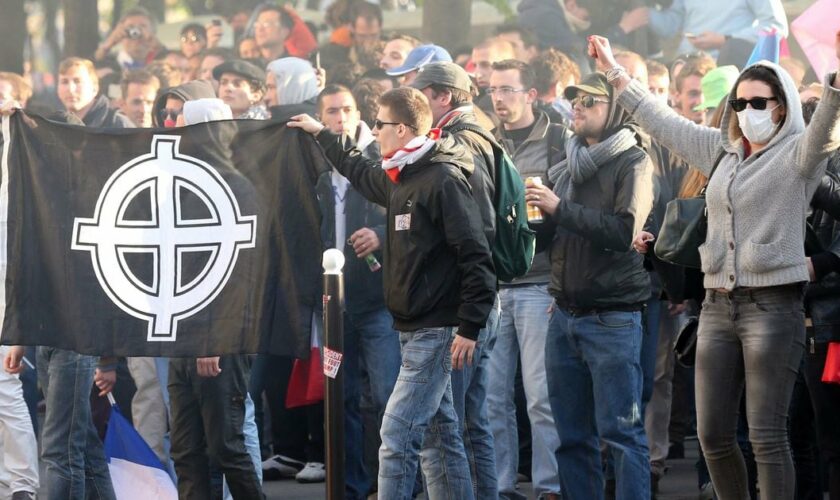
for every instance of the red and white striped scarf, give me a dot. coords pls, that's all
(408, 154)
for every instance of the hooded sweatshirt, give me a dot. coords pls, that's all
(757, 205)
(102, 115)
(295, 80)
(206, 110)
(190, 91)
(593, 266)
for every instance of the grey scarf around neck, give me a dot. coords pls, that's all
(582, 162)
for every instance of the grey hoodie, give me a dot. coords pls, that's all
(757, 205)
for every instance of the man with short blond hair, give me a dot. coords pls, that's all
(78, 87)
(439, 283)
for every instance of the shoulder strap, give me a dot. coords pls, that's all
(555, 142)
(719, 158)
(472, 127)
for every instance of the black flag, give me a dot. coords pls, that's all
(195, 241)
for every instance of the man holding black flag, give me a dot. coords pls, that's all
(439, 281)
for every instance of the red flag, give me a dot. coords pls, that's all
(831, 372)
(306, 385)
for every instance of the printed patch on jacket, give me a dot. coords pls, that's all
(402, 222)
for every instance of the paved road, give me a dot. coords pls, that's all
(679, 484)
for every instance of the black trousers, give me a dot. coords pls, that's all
(826, 401)
(207, 414)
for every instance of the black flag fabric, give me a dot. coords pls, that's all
(195, 241)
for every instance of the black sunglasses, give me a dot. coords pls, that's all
(587, 101)
(378, 124)
(759, 103)
(172, 114)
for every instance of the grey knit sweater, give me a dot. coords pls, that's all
(756, 205)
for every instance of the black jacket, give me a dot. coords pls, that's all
(592, 263)
(439, 272)
(822, 298)
(102, 115)
(482, 177)
(285, 112)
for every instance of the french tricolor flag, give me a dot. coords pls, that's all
(136, 471)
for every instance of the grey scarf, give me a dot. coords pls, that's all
(582, 162)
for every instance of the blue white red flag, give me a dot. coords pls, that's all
(136, 471)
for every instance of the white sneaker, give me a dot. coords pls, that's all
(313, 472)
(281, 467)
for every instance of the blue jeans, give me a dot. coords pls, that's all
(650, 341)
(422, 398)
(594, 386)
(522, 332)
(469, 394)
(72, 452)
(368, 337)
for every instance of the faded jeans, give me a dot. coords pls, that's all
(753, 338)
(73, 454)
(469, 392)
(523, 326)
(422, 398)
(595, 389)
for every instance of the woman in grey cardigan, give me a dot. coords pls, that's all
(752, 327)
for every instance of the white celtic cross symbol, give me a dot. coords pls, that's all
(167, 236)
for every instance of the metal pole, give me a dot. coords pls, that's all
(333, 262)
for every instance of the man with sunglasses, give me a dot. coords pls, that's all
(534, 144)
(438, 279)
(602, 195)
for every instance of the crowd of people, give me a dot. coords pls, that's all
(457, 383)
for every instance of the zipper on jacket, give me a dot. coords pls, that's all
(813, 349)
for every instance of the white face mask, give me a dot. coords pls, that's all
(757, 125)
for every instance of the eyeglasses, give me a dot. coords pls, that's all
(267, 24)
(587, 101)
(759, 103)
(171, 114)
(191, 38)
(378, 124)
(503, 91)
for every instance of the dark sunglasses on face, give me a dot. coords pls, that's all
(378, 124)
(587, 101)
(171, 114)
(759, 103)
